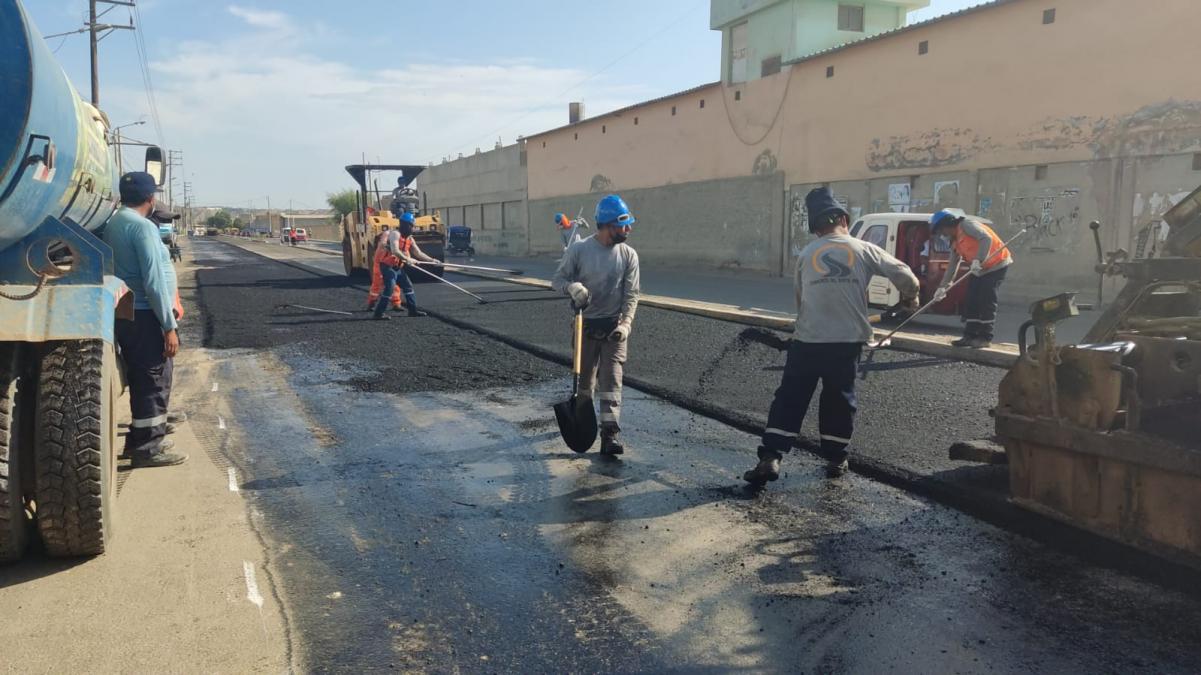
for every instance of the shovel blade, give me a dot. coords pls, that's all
(577, 422)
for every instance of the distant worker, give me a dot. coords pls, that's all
(377, 278)
(401, 252)
(601, 275)
(569, 229)
(832, 276)
(972, 240)
(150, 341)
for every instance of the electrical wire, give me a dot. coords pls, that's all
(143, 62)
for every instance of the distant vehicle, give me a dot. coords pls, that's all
(299, 234)
(212, 232)
(907, 236)
(198, 232)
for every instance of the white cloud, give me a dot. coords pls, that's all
(261, 18)
(256, 113)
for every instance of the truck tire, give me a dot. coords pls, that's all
(14, 445)
(74, 463)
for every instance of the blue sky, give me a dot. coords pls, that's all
(273, 97)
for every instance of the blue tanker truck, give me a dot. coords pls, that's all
(59, 300)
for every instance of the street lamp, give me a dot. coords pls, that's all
(116, 133)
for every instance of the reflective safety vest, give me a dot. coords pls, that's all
(383, 255)
(968, 248)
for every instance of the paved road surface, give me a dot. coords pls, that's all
(421, 513)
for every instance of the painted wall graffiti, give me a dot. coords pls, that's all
(1052, 218)
(600, 183)
(765, 164)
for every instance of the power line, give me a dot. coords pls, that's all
(558, 97)
(140, 42)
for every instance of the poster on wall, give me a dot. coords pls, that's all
(946, 193)
(899, 194)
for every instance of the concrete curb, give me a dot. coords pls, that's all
(999, 356)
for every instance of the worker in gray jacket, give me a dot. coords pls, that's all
(600, 274)
(832, 276)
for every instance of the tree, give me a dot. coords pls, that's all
(342, 203)
(219, 220)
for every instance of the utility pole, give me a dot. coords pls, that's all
(96, 33)
(174, 159)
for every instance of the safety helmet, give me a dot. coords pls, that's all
(612, 210)
(946, 217)
(407, 217)
(562, 221)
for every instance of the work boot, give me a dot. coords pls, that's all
(177, 417)
(166, 444)
(837, 468)
(170, 428)
(962, 342)
(978, 343)
(381, 317)
(768, 468)
(610, 443)
(398, 308)
(413, 311)
(160, 458)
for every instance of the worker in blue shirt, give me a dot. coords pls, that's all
(149, 342)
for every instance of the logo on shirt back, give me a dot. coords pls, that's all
(834, 261)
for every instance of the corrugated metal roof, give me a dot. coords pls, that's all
(897, 31)
(815, 55)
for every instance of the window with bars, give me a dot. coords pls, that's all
(850, 18)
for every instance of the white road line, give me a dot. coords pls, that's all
(233, 480)
(220, 422)
(214, 386)
(252, 584)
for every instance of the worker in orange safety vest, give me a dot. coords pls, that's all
(976, 243)
(377, 279)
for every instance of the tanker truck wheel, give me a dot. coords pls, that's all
(75, 465)
(14, 447)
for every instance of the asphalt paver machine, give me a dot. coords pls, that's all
(1106, 435)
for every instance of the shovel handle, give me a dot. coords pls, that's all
(578, 347)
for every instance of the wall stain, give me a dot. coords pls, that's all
(765, 164)
(601, 183)
(938, 147)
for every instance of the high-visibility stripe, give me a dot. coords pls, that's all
(148, 422)
(778, 432)
(836, 439)
(608, 417)
(612, 396)
(980, 321)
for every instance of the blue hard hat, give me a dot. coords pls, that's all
(407, 217)
(941, 218)
(612, 210)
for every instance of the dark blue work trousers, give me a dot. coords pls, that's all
(393, 276)
(835, 366)
(148, 374)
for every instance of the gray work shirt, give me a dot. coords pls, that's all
(610, 273)
(832, 276)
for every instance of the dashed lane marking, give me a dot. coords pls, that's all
(252, 584)
(215, 386)
(233, 480)
(220, 422)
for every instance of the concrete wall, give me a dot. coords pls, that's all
(486, 192)
(721, 223)
(1083, 97)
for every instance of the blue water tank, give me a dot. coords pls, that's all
(54, 155)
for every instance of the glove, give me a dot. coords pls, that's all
(977, 268)
(579, 295)
(620, 333)
(940, 294)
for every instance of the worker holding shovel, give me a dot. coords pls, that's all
(831, 281)
(600, 274)
(401, 251)
(989, 257)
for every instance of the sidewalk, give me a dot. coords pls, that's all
(758, 292)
